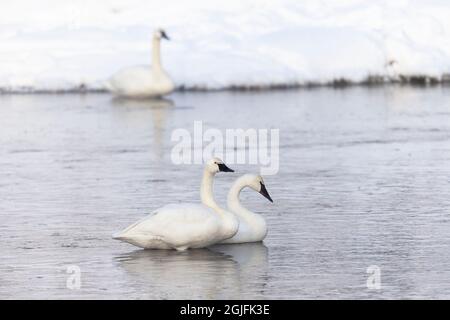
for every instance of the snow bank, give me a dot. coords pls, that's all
(63, 45)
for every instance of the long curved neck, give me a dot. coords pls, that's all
(156, 54)
(234, 204)
(256, 228)
(206, 190)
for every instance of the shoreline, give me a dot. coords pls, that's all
(421, 81)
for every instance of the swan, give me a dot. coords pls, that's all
(252, 226)
(183, 226)
(144, 81)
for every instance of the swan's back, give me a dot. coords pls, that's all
(140, 81)
(131, 80)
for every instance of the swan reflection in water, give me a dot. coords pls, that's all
(217, 272)
(136, 112)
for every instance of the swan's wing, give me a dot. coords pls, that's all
(131, 80)
(177, 223)
(128, 230)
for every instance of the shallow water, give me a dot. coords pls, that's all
(364, 179)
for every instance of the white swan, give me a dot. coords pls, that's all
(252, 226)
(144, 81)
(183, 226)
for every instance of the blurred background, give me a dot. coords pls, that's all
(76, 45)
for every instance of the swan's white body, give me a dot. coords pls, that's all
(252, 226)
(143, 81)
(183, 226)
(176, 226)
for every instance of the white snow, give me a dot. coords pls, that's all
(61, 44)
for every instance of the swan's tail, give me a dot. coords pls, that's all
(118, 236)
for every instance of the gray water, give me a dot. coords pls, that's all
(364, 180)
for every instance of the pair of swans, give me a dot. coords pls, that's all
(144, 81)
(183, 226)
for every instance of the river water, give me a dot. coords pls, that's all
(363, 185)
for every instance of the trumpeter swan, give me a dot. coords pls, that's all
(183, 226)
(144, 81)
(252, 226)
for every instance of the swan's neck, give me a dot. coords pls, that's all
(229, 222)
(156, 55)
(235, 206)
(206, 191)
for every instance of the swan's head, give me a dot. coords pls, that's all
(256, 182)
(217, 165)
(160, 34)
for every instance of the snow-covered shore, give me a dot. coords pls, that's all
(75, 46)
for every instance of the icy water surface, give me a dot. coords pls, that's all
(364, 180)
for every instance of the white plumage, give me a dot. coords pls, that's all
(183, 226)
(140, 82)
(252, 226)
(175, 226)
(144, 81)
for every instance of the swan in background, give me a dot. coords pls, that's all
(144, 81)
(183, 226)
(252, 226)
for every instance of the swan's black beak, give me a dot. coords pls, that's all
(264, 192)
(164, 35)
(224, 168)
